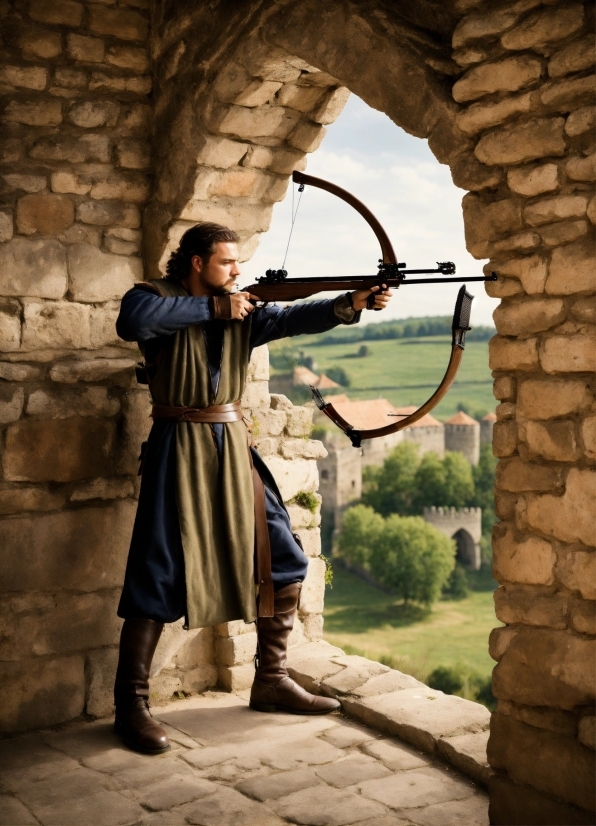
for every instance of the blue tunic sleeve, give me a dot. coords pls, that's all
(144, 315)
(272, 323)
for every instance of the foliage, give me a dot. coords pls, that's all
(405, 554)
(456, 586)
(465, 682)
(363, 351)
(483, 496)
(307, 500)
(328, 571)
(406, 483)
(339, 375)
(475, 413)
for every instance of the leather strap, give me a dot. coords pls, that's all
(265, 600)
(217, 413)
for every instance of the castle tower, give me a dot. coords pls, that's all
(465, 526)
(486, 428)
(462, 434)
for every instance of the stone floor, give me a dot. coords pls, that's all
(230, 766)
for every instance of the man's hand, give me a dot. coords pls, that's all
(382, 297)
(240, 305)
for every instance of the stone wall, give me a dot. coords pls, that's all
(462, 524)
(503, 92)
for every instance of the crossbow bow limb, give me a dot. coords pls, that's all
(276, 286)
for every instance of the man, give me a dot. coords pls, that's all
(207, 502)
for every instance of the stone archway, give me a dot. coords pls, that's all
(466, 552)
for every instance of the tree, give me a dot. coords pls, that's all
(339, 375)
(412, 558)
(391, 487)
(483, 496)
(404, 554)
(363, 351)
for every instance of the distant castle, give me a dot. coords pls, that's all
(340, 471)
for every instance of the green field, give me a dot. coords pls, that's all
(404, 371)
(363, 619)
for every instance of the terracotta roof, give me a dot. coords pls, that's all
(364, 414)
(461, 418)
(325, 383)
(490, 417)
(425, 421)
(302, 375)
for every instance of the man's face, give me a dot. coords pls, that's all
(218, 276)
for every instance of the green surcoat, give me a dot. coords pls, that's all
(214, 493)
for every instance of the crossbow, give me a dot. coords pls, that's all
(276, 286)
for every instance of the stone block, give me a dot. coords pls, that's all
(135, 428)
(10, 324)
(98, 276)
(554, 235)
(529, 316)
(311, 541)
(60, 13)
(565, 768)
(103, 489)
(128, 57)
(582, 168)
(482, 116)
(25, 77)
(307, 136)
(356, 672)
(138, 85)
(301, 98)
(118, 370)
(507, 354)
(59, 324)
(331, 107)
(123, 24)
(535, 180)
(132, 154)
(528, 562)
(582, 615)
(588, 434)
(236, 677)
(517, 476)
(11, 402)
(22, 498)
(420, 716)
(44, 213)
(507, 75)
(504, 439)
(256, 396)
(577, 571)
(303, 518)
(580, 121)
(6, 227)
(555, 441)
(126, 186)
(67, 181)
(587, 731)
(546, 667)
(467, 752)
(486, 221)
(309, 664)
(257, 93)
(38, 42)
(512, 803)
(236, 650)
(58, 450)
(313, 589)
(93, 113)
(499, 640)
(70, 78)
(479, 25)
(569, 517)
(544, 27)
(302, 448)
(384, 683)
(468, 173)
(293, 476)
(273, 123)
(41, 113)
(505, 389)
(577, 56)
(522, 142)
(104, 213)
(530, 606)
(322, 804)
(531, 270)
(299, 421)
(519, 242)
(563, 95)
(88, 148)
(246, 218)
(569, 354)
(83, 48)
(557, 208)
(584, 309)
(221, 152)
(41, 692)
(269, 423)
(279, 785)
(26, 183)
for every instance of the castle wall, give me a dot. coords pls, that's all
(462, 524)
(429, 439)
(464, 438)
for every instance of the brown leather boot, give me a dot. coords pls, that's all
(273, 689)
(134, 723)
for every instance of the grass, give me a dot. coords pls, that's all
(404, 371)
(364, 620)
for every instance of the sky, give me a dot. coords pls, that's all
(409, 191)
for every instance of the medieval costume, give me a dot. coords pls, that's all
(192, 549)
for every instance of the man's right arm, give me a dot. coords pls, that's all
(145, 315)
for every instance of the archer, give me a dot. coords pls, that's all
(210, 521)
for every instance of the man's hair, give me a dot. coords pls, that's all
(198, 240)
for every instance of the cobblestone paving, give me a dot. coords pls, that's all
(230, 766)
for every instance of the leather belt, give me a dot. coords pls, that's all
(231, 412)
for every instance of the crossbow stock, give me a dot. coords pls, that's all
(277, 286)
